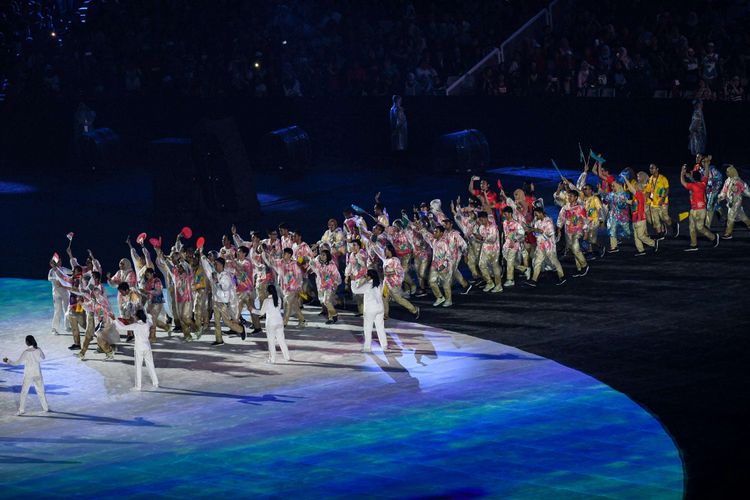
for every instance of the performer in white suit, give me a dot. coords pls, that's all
(271, 307)
(372, 289)
(141, 328)
(31, 359)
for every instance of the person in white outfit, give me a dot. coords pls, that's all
(371, 288)
(271, 307)
(31, 359)
(60, 296)
(142, 348)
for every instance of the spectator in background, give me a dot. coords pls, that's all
(733, 90)
(703, 92)
(710, 66)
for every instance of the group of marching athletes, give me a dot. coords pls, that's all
(379, 259)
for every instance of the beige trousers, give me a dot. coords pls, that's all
(222, 312)
(490, 260)
(697, 221)
(640, 235)
(444, 277)
(574, 244)
(539, 257)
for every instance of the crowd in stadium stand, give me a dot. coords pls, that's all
(379, 47)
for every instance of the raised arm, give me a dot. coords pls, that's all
(682, 176)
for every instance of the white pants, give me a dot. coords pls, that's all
(140, 357)
(39, 384)
(275, 335)
(374, 319)
(58, 319)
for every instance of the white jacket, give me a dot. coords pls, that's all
(373, 302)
(272, 312)
(140, 330)
(30, 359)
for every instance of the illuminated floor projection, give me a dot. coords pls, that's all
(444, 414)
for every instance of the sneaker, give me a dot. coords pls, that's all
(109, 356)
(716, 243)
(188, 338)
(583, 272)
(447, 303)
(531, 283)
(416, 314)
(169, 320)
(256, 330)
(302, 324)
(640, 254)
(590, 256)
(602, 251)
(527, 273)
(74, 347)
(691, 249)
(20, 412)
(614, 250)
(497, 289)
(217, 342)
(488, 287)
(509, 283)
(561, 281)
(329, 321)
(421, 293)
(55, 332)
(656, 245)
(725, 237)
(661, 236)
(468, 289)
(81, 355)
(243, 333)
(676, 229)
(439, 301)
(197, 335)
(336, 319)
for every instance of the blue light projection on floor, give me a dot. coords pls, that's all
(16, 188)
(448, 414)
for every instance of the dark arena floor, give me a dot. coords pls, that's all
(667, 330)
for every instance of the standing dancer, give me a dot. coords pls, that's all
(467, 223)
(182, 277)
(618, 218)
(594, 214)
(573, 218)
(142, 349)
(76, 312)
(98, 310)
(513, 246)
(732, 191)
(489, 257)
(394, 278)
(546, 247)
(696, 184)
(244, 275)
(458, 248)
(271, 308)
(371, 288)
(327, 279)
(200, 290)
(31, 359)
(422, 256)
(400, 240)
(441, 269)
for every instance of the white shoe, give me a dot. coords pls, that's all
(368, 351)
(55, 332)
(438, 302)
(20, 412)
(527, 273)
(509, 283)
(447, 303)
(81, 356)
(136, 389)
(497, 289)
(488, 287)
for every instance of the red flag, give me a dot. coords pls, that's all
(186, 232)
(200, 242)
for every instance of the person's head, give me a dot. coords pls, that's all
(519, 195)
(332, 224)
(378, 208)
(732, 171)
(348, 213)
(424, 207)
(390, 251)
(438, 231)
(642, 178)
(484, 185)
(31, 341)
(527, 188)
(378, 229)
(140, 315)
(396, 100)
(255, 238)
(373, 276)
(283, 229)
(288, 252)
(325, 256)
(507, 213)
(77, 271)
(243, 252)
(653, 169)
(588, 190)
(96, 276)
(697, 176)
(271, 289)
(482, 217)
(124, 264)
(356, 245)
(572, 196)
(225, 241)
(448, 224)
(273, 234)
(398, 224)
(219, 264)
(148, 273)
(123, 288)
(297, 236)
(604, 170)
(539, 212)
